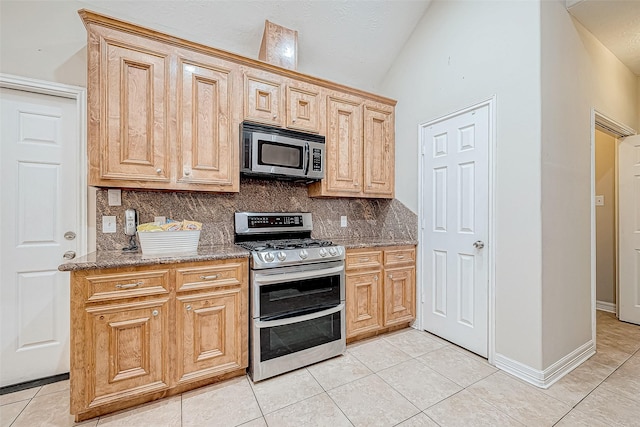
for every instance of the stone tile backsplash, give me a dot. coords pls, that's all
(374, 218)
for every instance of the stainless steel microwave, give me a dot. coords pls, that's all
(267, 151)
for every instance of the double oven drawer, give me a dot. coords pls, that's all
(298, 317)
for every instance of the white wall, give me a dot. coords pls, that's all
(462, 53)
(578, 73)
(43, 40)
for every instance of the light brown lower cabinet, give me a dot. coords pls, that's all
(380, 289)
(143, 333)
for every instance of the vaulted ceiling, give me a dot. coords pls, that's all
(616, 23)
(351, 42)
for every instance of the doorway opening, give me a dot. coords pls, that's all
(606, 215)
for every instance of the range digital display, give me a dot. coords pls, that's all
(280, 221)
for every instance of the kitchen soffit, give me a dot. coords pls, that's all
(351, 42)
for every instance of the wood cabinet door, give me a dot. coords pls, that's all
(344, 147)
(303, 108)
(207, 141)
(210, 334)
(263, 101)
(134, 128)
(399, 295)
(379, 151)
(363, 299)
(127, 350)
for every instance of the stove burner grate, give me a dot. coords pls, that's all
(285, 244)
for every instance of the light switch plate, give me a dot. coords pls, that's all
(343, 221)
(108, 224)
(599, 200)
(115, 197)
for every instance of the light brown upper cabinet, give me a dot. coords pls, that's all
(276, 101)
(379, 150)
(303, 107)
(164, 113)
(129, 102)
(263, 99)
(207, 139)
(160, 116)
(360, 149)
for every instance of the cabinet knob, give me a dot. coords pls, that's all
(375, 277)
(293, 120)
(155, 312)
(158, 171)
(187, 172)
(188, 307)
(355, 184)
(275, 116)
(390, 276)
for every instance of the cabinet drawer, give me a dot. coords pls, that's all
(365, 259)
(399, 256)
(127, 285)
(192, 278)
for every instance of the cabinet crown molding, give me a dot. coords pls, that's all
(89, 17)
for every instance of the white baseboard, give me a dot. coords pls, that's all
(606, 306)
(545, 378)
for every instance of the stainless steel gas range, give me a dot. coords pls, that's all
(297, 293)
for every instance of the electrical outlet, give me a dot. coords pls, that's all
(115, 197)
(108, 224)
(343, 221)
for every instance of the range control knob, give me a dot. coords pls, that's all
(282, 256)
(323, 252)
(268, 256)
(304, 254)
(333, 251)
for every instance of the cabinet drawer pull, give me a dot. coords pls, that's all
(364, 259)
(128, 285)
(212, 277)
(400, 256)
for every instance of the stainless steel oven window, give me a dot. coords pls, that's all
(322, 276)
(282, 337)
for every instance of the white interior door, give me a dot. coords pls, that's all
(455, 228)
(629, 228)
(39, 193)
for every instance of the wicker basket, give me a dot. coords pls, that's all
(167, 243)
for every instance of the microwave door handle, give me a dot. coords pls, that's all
(307, 159)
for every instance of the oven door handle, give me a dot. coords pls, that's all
(297, 319)
(266, 279)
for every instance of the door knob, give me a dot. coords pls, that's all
(69, 255)
(69, 235)
(479, 244)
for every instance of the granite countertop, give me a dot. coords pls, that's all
(371, 242)
(114, 259)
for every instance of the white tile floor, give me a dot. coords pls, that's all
(407, 378)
